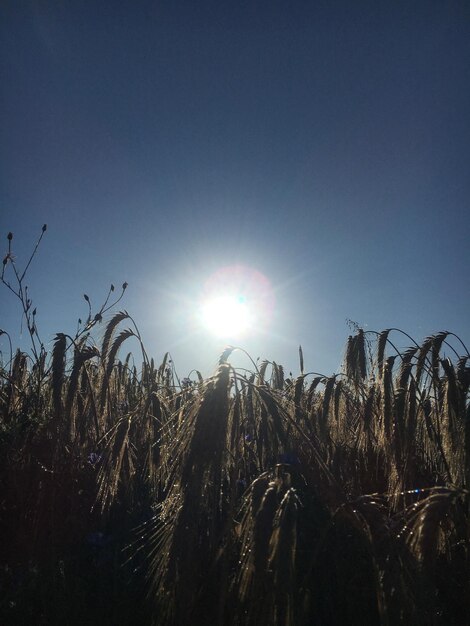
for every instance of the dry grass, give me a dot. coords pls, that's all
(247, 498)
(263, 500)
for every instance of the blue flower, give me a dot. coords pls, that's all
(94, 458)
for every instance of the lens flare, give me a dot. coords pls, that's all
(236, 301)
(227, 316)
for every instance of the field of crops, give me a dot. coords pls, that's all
(129, 496)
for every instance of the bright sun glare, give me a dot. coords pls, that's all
(227, 315)
(236, 301)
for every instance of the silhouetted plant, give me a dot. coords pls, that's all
(129, 496)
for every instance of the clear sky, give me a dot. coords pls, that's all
(324, 146)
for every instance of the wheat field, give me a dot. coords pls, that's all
(129, 496)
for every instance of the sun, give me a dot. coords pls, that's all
(227, 315)
(236, 302)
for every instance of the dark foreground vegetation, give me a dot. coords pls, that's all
(128, 496)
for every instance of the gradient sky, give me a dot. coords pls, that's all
(325, 145)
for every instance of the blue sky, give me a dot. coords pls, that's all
(325, 145)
